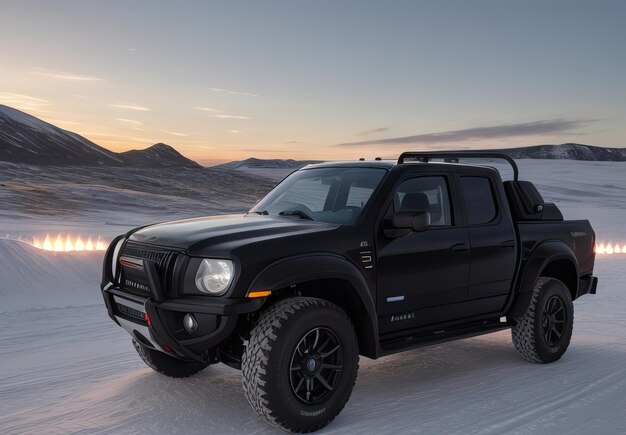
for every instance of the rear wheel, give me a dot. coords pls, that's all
(300, 364)
(167, 365)
(544, 332)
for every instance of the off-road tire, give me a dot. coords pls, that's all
(167, 365)
(528, 333)
(267, 360)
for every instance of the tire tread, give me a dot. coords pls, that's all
(256, 356)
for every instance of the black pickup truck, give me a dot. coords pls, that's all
(346, 259)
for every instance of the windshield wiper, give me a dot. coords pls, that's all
(297, 213)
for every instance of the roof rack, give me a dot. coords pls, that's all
(425, 156)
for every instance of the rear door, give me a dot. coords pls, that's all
(493, 252)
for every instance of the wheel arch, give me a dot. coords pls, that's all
(553, 259)
(329, 277)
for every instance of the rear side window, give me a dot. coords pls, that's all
(479, 200)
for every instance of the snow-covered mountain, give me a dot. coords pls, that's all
(30, 140)
(571, 151)
(26, 139)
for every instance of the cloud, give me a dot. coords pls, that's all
(227, 91)
(231, 117)
(62, 75)
(131, 121)
(62, 122)
(234, 131)
(492, 132)
(373, 130)
(21, 101)
(131, 107)
(207, 109)
(173, 133)
(116, 138)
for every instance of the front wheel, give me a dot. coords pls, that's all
(300, 364)
(167, 365)
(544, 332)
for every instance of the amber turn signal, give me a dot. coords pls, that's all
(259, 294)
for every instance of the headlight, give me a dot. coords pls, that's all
(116, 252)
(214, 276)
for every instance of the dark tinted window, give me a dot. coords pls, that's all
(479, 200)
(430, 190)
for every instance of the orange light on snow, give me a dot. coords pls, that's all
(68, 243)
(610, 248)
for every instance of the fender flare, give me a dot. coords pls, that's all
(316, 266)
(536, 262)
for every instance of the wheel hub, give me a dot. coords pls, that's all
(553, 321)
(311, 365)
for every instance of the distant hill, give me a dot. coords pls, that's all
(274, 169)
(158, 155)
(254, 163)
(30, 140)
(571, 151)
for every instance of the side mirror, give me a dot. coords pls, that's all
(414, 221)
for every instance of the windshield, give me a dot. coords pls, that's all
(335, 195)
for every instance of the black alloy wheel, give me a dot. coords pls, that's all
(554, 319)
(316, 365)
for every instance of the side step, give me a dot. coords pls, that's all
(421, 337)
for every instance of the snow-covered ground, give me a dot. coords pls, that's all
(66, 368)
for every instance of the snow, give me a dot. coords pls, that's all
(31, 121)
(66, 368)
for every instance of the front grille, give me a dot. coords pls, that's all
(134, 279)
(146, 254)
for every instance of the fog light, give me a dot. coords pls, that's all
(190, 323)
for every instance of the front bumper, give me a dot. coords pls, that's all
(162, 329)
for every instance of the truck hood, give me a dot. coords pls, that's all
(215, 234)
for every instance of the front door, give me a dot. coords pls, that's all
(423, 276)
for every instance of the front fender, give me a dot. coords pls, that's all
(323, 266)
(311, 267)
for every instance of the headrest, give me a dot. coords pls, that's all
(417, 201)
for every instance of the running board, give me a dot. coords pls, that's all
(423, 338)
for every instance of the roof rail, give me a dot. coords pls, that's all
(425, 156)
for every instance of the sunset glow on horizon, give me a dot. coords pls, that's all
(228, 82)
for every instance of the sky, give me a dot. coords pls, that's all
(320, 79)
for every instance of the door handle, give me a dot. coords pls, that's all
(458, 247)
(508, 244)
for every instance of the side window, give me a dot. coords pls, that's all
(479, 201)
(358, 196)
(429, 193)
